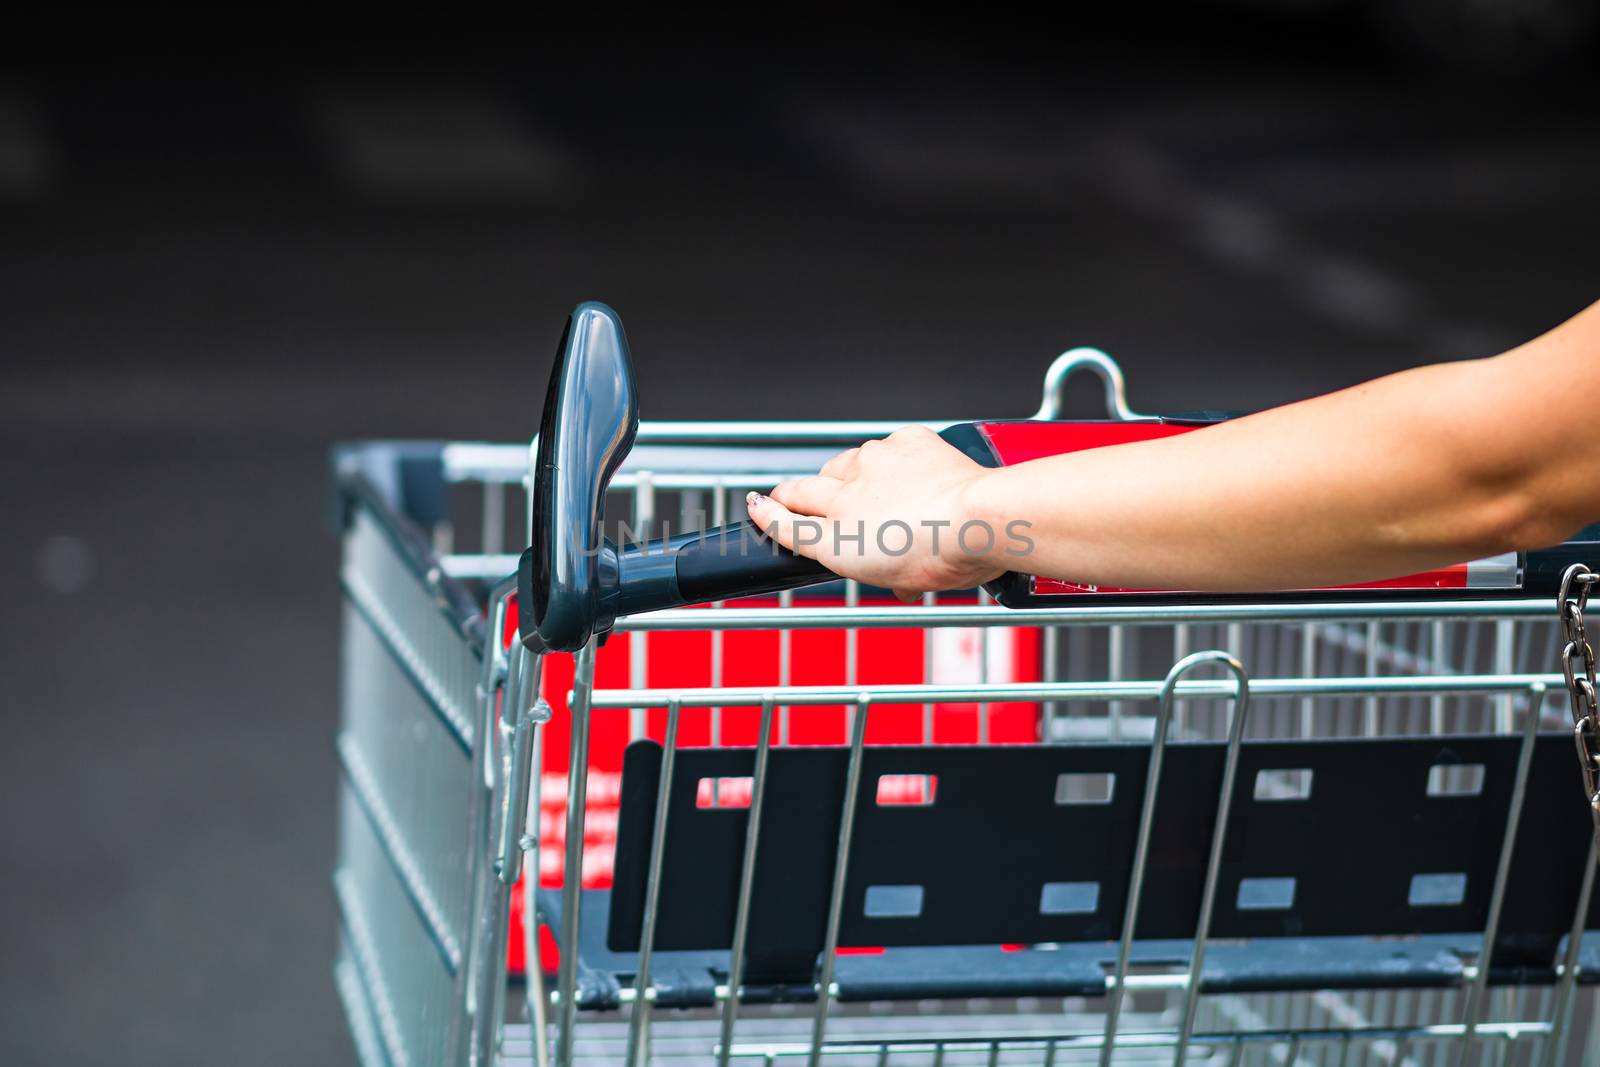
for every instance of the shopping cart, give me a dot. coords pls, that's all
(818, 825)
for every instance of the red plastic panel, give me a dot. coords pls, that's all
(1018, 442)
(817, 657)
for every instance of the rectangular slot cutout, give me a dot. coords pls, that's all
(1095, 788)
(1266, 894)
(1284, 784)
(907, 790)
(893, 902)
(1455, 780)
(1069, 898)
(723, 792)
(1437, 890)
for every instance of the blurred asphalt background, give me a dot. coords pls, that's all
(211, 269)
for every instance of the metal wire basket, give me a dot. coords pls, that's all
(826, 826)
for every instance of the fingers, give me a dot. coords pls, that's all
(841, 466)
(845, 465)
(807, 496)
(915, 434)
(781, 524)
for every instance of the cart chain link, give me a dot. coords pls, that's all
(1578, 665)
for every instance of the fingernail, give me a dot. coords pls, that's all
(752, 498)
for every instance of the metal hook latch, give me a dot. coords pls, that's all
(1101, 366)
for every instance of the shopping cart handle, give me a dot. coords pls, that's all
(572, 583)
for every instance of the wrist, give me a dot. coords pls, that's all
(978, 502)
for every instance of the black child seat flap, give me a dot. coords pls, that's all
(1033, 845)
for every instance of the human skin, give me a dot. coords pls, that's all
(1416, 470)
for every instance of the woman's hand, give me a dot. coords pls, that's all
(896, 513)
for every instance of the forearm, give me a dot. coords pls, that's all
(1421, 469)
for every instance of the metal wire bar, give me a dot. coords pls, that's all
(1131, 614)
(1491, 928)
(638, 1024)
(514, 734)
(644, 513)
(1034, 692)
(747, 878)
(538, 997)
(1138, 983)
(852, 640)
(678, 447)
(1504, 657)
(930, 1043)
(482, 1000)
(785, 664)
(517, 724)
(478, 461)
(572, 872)
(928, 600)
(1208, 897)
(1141, 851)
(493, 536)
(719, 509)
(841, 863)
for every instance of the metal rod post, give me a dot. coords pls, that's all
(928, 600)
(747, 878)
(785, 664)
(1050, 656)
(538, 997)
(1370, 726)
(852, 643)
(1504, 657)
(983, 672)
(644, 515)
(572, 872)
(1491, 928)
(1208, 897)
(719, 515)
(1141, 853)
(1114, 639)
(518, 726)
(841, 863)
(476, 1021)
(1181, 639)
(1308, 667)
(1440, 654)
(639, 1021)
(494, 517)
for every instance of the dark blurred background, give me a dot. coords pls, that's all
(214, 261)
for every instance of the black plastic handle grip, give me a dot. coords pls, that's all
(721, 563)
(739, 560)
